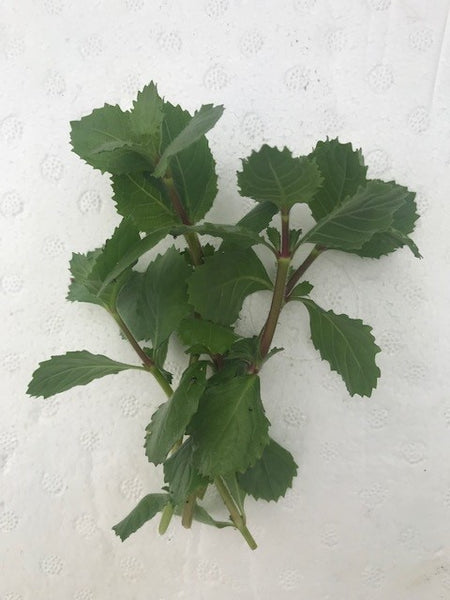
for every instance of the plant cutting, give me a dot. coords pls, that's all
(212, 429)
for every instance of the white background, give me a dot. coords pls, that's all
(369, 515)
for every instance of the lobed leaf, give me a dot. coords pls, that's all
(60, 373)
(348, 345)
(272, 474)
(275, 175)
(147, 508)
(230, 427)
(169, 422)
(218, 288)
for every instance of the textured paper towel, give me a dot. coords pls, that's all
(368, 517)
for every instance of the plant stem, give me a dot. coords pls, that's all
(188, 510)
(235, 515)
(315, 252)
(166, 517)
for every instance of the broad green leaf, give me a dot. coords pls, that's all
(169, 422)
(348, 345)
(218, 288)
(142, 198)
(202, 516)
(60, 373)
(181, 474)
(80, 288)
(248, 350)
(234, 234)
(202, 121)
(352, 223)
(343, 172)
(124, 237)
(193, 169)
(104, 139)
(259, 217)
(134, 252)
(275, 175)
(302, 289)
(206, 336)
(272, 474)
(147, 508)
(396, 236)
(153, 303)
(230, 427)
(147, 115)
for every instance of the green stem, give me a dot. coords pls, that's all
(276, 306)
(235, 515)
(315, 252)
(188, 510)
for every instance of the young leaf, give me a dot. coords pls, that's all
(181, 474)
(169, 422)
(302, 289)
(218, 288)
(348, 345)
(153, 303)
(202, 121)
(81, 289)
(343, 172)
(272, 474)
(105, 141)
(275, 175)
(274, 237)
(234, 234)
(60, 373)
(230, 427)
(142, 198)
(202, 516)
(146, 116)
(125, 236)
(207, 336)
(193, 169)
(147, 508)
(259, 217)
(352, 223)
(397, 235)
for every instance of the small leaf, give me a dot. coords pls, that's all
(214, 338)
(60, 373)
(302, 289)
(348, 345)
(234, 234)
(105, 141)
(193, 169)
(147, 115)
(275, 175)
(125, 236)
(259, 217)
(343, 172)
(218, 288)
(272, 474)
(169, 422)
(142, 198)
(81, 289)
(274, 237)
(230, 427)
(153, 303)
(352, 223)
(181, 474)
(202, 121)
(147, 508)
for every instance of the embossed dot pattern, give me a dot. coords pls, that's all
(367, 515)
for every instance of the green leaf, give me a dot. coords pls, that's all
(352, 223)
(153, 303)
(202, 516)
(193, 169)
(397, 235)
(259, 217)
(275, 175)
(302, 289)
(147, 116)
(147, 508)
(274, 237)
(181, 474)
(105, 141)
(125, 236)
(248, 350)
(142, 198)
(202, 121)
(134, 252)
(348, 345)
(218, 288)
(169, 422)
(205, 335)
(60, 373)
(230, 427)
(343, 172)
(234, 234)
(80, 288)
(271, 476)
